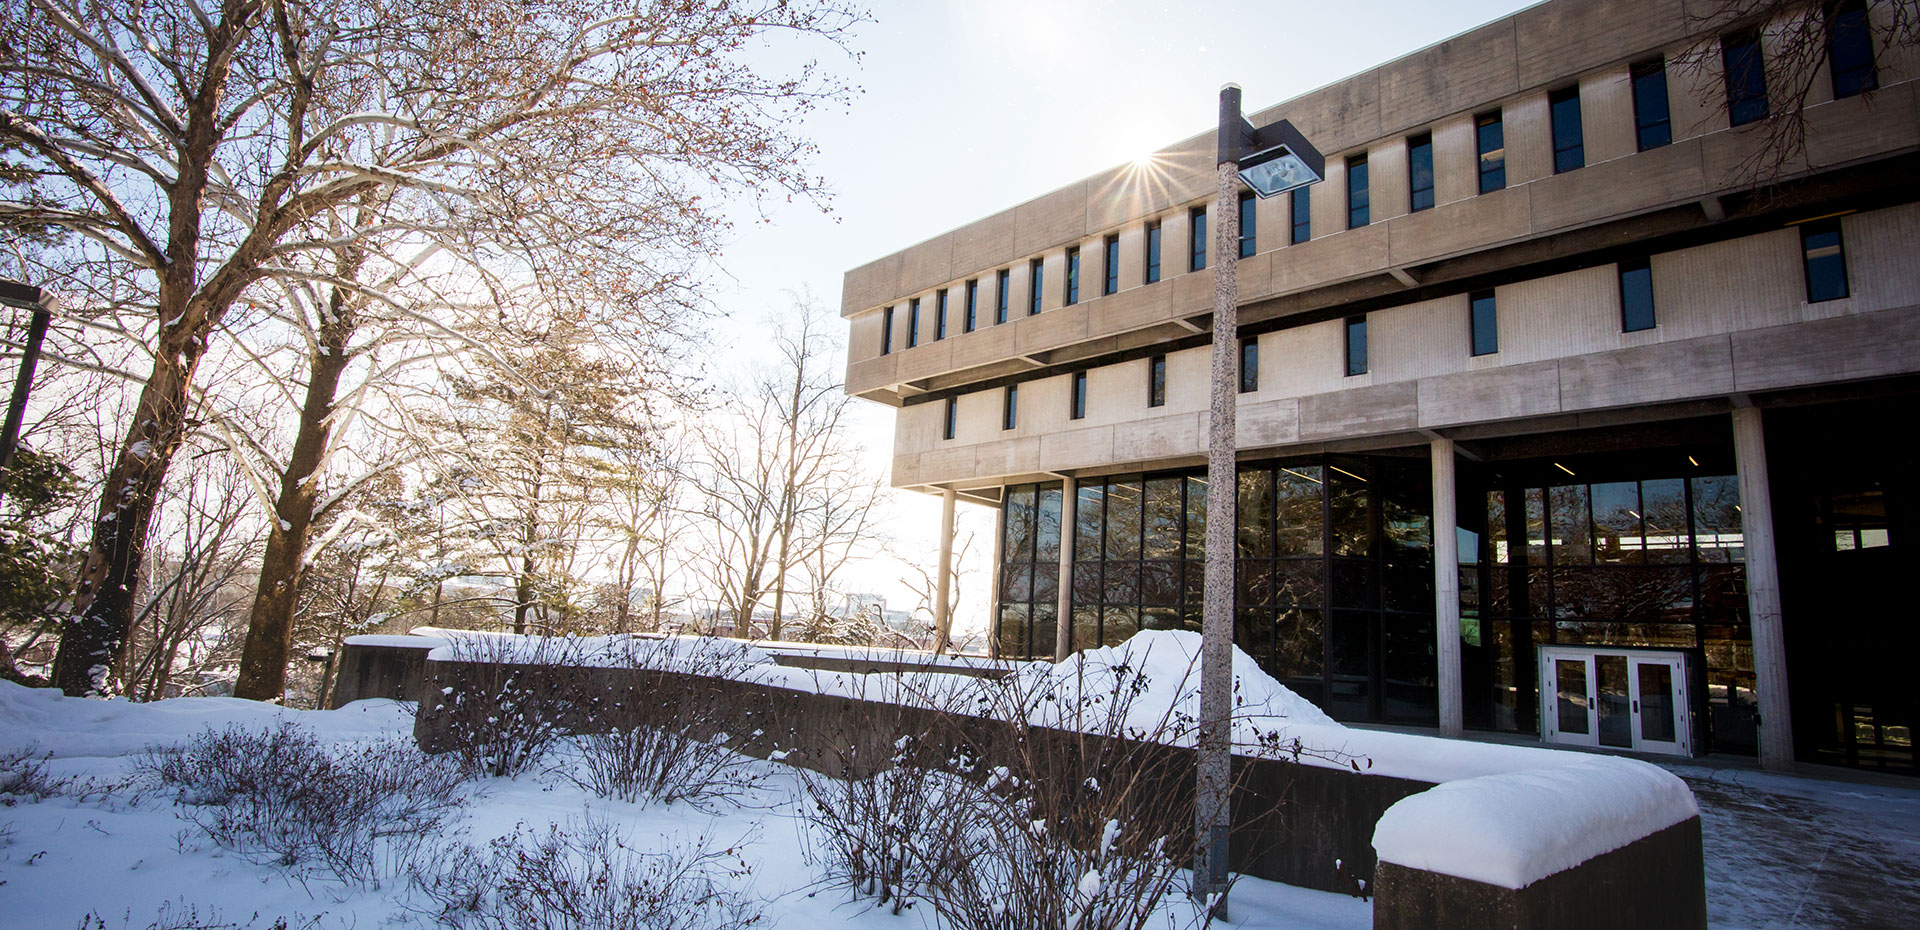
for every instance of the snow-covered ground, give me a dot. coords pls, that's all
(132, 862)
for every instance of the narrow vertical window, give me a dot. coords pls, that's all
(1197, 239)
(1111, 267)
(1249, 365)
(1010, 407)
(1491, 139)
(1484, 321)
(1826, 260)
(1746, 78)
(1302, 198)
(1036, 279)
(1420, 172)
(1157, 381)
(1003, 284)
(940, 315)
(1850, 49)
(946, 428)
(973, 305)
(913, 322)
(1153, 251)
(1072, 295)
(1077, 405)
(886, 330)
(1249, 238)
(1569, 144)
(1651, 118)
(1358, 199)
(1636, 295)
(1356, 346)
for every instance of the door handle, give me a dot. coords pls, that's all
(1636, 707)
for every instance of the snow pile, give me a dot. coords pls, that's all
(1515, 828)
(1159, 672)
(85, 727)
(398, 640)
(697, 654)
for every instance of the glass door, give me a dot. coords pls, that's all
(1615, 699)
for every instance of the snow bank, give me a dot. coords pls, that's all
(703, 654)
(83, 727)
(1515, 828)
(401, 641)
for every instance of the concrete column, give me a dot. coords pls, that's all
(1763, 591)
(1069, 513)
(999, 557)
(1446, 587)
(942, 622)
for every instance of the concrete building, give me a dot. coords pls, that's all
(1552, 419)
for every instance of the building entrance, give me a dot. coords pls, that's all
(1615, 699)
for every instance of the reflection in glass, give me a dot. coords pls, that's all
(1254, 536)
(1047, 533)
(1123, 518)
(1253, 633)
(1299, 650)
(1299, 520)
(1347, 509)
(1656, 701)
(1088, 518)
(1664, 509)
(1616, 713)
(1569, 525)
(1019, 525)
(1617, 535)
(1196, 517)
(1570, 681)
(1162, 528)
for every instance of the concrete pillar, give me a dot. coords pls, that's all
(942, 621)
(1069, 513)
(1763, 591)
(993, 597)
(1446, 587)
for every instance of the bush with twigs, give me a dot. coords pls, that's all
(509, 702)
(582, 875)
(279, 796)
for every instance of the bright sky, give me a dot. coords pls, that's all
(973, 106)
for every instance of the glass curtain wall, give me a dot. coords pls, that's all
(1637, 562)
(1333, 574)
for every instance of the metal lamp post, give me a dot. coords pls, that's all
(1271, 160)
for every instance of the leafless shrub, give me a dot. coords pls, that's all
(1019, 803)
(279, 796)
(667, 726)
(583, 876)
(514, 699)
(175, 916)
(24, 777)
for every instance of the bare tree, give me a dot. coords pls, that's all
(1798, 40)
(195, 152)
(925, 586)
(782, 491)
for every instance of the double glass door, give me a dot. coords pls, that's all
(1615, 698)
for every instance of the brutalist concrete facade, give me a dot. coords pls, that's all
(1748, 361)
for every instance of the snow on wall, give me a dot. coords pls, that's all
(1515, 828)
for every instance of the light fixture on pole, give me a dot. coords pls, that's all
(1272, 160)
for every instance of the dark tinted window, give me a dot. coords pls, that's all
(940, 314)
(1636, 295)
(1153, 251)
(1248, 233)
(1569, 148)
(973, 305)
(1651, 118)
(1002, 286)
(1826, 261)
(1010, 407)
(1197, 239)
(886, 331)
(1850, 49)
(1157, 381)
(1358, 200)
(1357, 346)
(1072, 295)
(913, 322)
(1036, 279)
(1302, 214)
(1112, 267)
(1484, 322)
(1249, 365)
(1420, 172)
(1077, 406)
(1491, 139)
(946, 430)
(1746, 78)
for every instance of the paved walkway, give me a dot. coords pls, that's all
(1827, 848)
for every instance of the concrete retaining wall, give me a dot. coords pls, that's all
(1657, 883)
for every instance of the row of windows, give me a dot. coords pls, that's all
(1823, 262)
(1850, 61)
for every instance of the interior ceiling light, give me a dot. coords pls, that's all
(1563, 468)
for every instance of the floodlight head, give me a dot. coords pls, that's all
(1276, 171)
(1273, 159)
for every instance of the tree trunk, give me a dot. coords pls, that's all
(263, 659)
(94, 636)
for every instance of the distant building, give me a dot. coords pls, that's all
(1536, 311)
